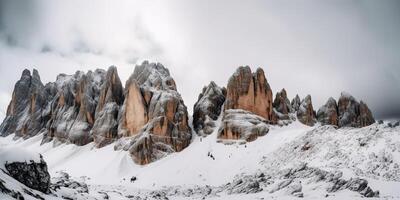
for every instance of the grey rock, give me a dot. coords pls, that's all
(306, 113)
(33, 175)
(282, 104)
(208, 108)
(296, 103)
(328, 113)
(352, 113)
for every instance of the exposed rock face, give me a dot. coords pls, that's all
(208, 108)
(105, 128)
(296, 103)
(328, 113)
(153, 115)
(24, 113)
(72, 111)
(239, 124)
(282, 105)
(352, 113)
(306, 113)
(33, 175)
(250, 91)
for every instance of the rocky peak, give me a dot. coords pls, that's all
(282, 104)
(153, 75)
(352, 113)
(249, 91)
(306, 113)
(111, 97)
(24, 111)
(153, 117)
(207, 108)
(328, 113)
(296, 103)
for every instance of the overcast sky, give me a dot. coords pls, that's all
(308, 47)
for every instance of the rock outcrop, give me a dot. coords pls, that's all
(328, 113)
(32, 174)
(153, 115)
(207, 108)
(352, 113)
(105, 128)
(24, 113)
(282, 106)
(250, 91)
(72, 111)
(242, 125)
(296, 103)
(306, 113)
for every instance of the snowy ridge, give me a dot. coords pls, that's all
(371, 153)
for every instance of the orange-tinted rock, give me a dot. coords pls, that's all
(249, 91)
(153, 115)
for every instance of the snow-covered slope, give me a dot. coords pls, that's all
(275, 165)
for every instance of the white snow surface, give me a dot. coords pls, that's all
(376, 160)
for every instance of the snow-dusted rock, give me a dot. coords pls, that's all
(242, 125)
(296, 103)
(352, 113)
(328, 113)
(28, 168)
(153, 115)
(306, 113)
(208, 108)
(73, 108)
(24, 113)
(250, 91)
(105, 128)
(282, 105)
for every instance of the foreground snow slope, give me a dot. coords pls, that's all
(371, 153)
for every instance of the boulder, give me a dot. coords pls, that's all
(352, 113)
(282, 105)
(208, 108)
(250, 91)
(32, 174)
(24, 113)
(328, 113)
(242, 125)
(105, 128)
(295, 103)
(306, 113)
(153, 117)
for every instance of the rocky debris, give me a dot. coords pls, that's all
(105, 128)
(244, 185)
(306, 113)
(352, 113)
(296, 103)
(153, 116)
(250, 91)
(62, 180)
(292, 178)
(24, 113)
(393, 124)
(208, 108)
(242, 125)
(328, 113)
(34, 175)
(282, 105)
(9, 191)
(73, 108)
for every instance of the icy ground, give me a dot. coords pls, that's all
(289, 162)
